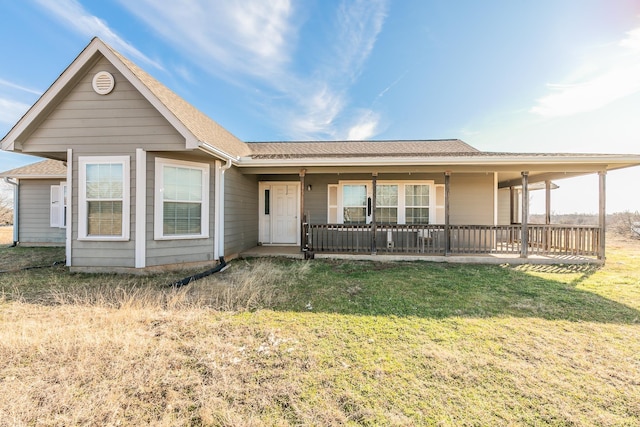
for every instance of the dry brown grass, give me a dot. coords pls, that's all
(117, 350)
(6, 235)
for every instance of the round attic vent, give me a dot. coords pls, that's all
(103, 82)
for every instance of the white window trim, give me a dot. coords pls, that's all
(401, 197)
(83, 161)
(158, 224)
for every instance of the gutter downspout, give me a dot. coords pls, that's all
(220, 219)
(16, 210)
(218, 209)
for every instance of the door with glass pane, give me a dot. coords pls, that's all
(284, 213)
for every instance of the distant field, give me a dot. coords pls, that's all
(287, 342)
(6, 235)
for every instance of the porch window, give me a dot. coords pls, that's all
(397, 202)
(354, 198)
(104, 198)
(387, 203)
(181, 203)
(416, 199)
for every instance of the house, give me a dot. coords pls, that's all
(144, 180)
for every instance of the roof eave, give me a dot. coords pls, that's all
(611, 162)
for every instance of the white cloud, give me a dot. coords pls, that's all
(74, 15)
(11, 111)
(250, 37)
(252, 43)
(21, 88)
(365, 127)
(606, 79)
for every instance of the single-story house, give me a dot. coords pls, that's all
(137, 179)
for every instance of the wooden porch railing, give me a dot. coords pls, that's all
(463, 239)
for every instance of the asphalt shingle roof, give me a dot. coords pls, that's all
(41, 169)
(310, 149)
(203, 128)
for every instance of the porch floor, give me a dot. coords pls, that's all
(294, 252)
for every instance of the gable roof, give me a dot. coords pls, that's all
(44, 169)
(198, 129)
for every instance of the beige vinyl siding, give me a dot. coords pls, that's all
(504, 206)
(162, 252)
(240, 211)
(86, 121)
(34, 214)
(111, 125)
(471, 199)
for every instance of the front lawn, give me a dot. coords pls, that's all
(287, 342)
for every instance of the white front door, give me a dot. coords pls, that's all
(279, 212)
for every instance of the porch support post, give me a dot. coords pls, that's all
(602, 213)
(303, 220)
(547, 214)
(512, 205)
(447, 230)
(547, 188)
(374, 225)
(524, 239)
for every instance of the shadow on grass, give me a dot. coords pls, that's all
(433, 290)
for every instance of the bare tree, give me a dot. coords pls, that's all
(6, 206)
(625, 223)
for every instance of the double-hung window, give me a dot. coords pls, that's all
(181, 200)
(397, 202)
(103, 209)
(387, 203)
(416, 202)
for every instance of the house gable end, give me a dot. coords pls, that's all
(77, 78)
(119, 121)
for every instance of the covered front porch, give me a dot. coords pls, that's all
(504, 235)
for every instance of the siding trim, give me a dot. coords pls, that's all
(141, 209)
(69, 232)
(216, 210)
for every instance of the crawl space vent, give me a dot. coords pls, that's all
(103, 82)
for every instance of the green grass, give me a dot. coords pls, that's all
(325, 343)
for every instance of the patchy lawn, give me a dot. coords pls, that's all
(324, 343)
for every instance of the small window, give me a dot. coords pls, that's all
(416, 199)
(104, 198)
(267, 201)
(387, 204)
(182, 190)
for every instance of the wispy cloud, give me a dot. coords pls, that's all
(253, 44)
(78, 19)
(11, 111)
(249, 36)
(19, 87)
(607, 78)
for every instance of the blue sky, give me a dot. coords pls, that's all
(545, 75)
